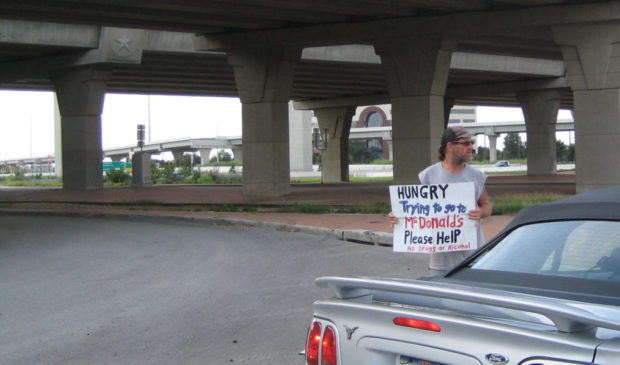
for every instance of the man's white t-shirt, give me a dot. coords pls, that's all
(435, 174)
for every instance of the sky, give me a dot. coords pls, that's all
(499, 114)
(27, 120)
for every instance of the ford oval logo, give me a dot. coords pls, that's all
(497, 359)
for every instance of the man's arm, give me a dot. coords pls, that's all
(484, 204)
(483, 208)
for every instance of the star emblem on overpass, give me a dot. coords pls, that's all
(123, 45)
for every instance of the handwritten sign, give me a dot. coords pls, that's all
(433, 218)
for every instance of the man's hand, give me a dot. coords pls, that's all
(393, 220)
(475, 215)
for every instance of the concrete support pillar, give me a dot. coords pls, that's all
(177, 155)
(448, 103)
(57, 140)
(416, 143)
(540, 109)
(264, 78)
(417, 73)
(141, 169)
(80, 93)
(335, 159)
(237, 154)
(492, 144)
(389, 144)
(300, 131)
(590, 52)
(204, 155)
(597, 164)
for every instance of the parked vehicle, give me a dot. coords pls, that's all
(544, 291)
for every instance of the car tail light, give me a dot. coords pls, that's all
(329, 352)
(417, 323)
(326, 342)
(313, 343)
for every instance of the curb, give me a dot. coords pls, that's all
(358, 236)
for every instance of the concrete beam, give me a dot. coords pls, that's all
(464, 61)
(357, 53)
(114, 45)
(375, 99)
(92, 45)
(485, 90)
(77, 36)
(164, 41)
(507, 87)
(526, 66)
(48, 34)
(463, 24)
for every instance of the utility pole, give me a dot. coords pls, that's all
(148, 101)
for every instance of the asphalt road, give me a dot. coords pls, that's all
(103, 291)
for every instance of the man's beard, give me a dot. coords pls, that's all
(465, 158)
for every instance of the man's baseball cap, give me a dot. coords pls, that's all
(452, 134)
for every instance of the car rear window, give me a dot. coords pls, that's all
(578, 249)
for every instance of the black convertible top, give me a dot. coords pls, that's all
(593, 204)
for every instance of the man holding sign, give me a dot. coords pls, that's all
(442, 216)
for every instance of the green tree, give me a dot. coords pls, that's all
(156, 173)
(571, 153)
(168, 174)
(186, 161)
(316, 158)
(514, 147)
(222, 156)
(561, 151)
(483, 154)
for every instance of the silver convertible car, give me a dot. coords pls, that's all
(544, 291)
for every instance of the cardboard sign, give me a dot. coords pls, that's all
(433, 218)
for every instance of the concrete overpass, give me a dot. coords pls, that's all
(539, 54)
(178, 147)
(491, 130)
(204, 145)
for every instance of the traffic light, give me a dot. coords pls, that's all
(141, 135)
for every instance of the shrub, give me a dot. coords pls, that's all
(196, 175)
(168, 174)
(205, 179)
(359, 153)
(117, 176)
(19, 175)
(218, 178)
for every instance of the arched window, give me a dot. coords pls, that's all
(373, 119)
